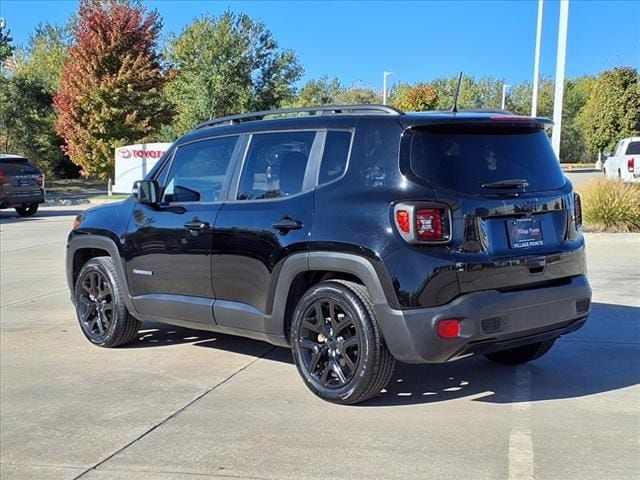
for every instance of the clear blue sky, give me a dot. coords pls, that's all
(356, 41)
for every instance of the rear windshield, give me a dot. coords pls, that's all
(18, 166)
(465, 158)
(633, 148)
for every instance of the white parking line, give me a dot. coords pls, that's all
(520, 438)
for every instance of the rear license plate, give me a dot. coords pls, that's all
(524, 233)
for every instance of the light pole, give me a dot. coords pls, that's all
(384, 86)
(536, 62)
(504, 94)
(560, 62)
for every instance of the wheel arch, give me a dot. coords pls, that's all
(82, 248)
(300, 272)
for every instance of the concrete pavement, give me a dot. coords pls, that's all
(182, 404)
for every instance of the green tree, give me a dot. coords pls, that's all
(358, 95)
(45, 54)
(29, 118)
(225, 65)
(612, 111)
(111, 84)
(417, 98)
(323, 91)
(519, 98)
(6, 48)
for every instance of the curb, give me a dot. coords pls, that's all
(60, 202)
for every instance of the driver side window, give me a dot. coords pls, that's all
(198, 171)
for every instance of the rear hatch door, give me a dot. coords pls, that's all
(513, 222)
(20, 176)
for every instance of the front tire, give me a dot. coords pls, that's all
(27, 210)
(100, 308)
(523, 354)
(336, 343)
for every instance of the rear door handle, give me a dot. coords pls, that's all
(285, 224)
(196, 226)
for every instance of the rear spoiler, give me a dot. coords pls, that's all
(425, 121)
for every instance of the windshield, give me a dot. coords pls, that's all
(466, 158)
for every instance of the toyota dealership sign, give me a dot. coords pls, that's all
(133, 162)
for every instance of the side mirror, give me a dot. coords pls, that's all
(146, 192)
(607, 154)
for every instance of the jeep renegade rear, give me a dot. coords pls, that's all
(356, 235)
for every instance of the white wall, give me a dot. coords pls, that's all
(133, 162)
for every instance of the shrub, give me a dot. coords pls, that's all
(610, 205)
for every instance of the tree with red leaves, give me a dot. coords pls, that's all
(111, 84)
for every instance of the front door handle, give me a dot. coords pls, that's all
(285, 224)
(196, 226)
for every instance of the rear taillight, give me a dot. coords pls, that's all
(3, 181)
(429, 224)
(577, 210)
(630, 165)
(423, 223)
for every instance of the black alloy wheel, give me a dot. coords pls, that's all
(330, 343)
(95, 304)
(100, 305)
(336, 343)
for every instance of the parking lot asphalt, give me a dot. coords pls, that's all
(184, 404)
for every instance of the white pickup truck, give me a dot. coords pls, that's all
(624, 163)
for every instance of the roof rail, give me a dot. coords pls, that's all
(319, 110)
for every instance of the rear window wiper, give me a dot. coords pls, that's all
(515, 183)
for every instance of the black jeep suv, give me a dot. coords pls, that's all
(356, 235)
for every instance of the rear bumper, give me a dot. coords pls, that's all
(490, 321)
(18, 199)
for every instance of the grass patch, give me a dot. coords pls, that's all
(610, 205)
(115, 197)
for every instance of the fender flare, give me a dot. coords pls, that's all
(352, 264)
(83, 241)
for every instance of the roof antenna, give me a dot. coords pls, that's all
(454, 109)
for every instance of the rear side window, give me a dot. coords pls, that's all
(465, 158)
(18, 167)
(275, 165)
(633, 148)
(334, 157)
(198, 170)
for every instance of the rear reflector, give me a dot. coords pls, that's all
(630, 164)
(449, 328)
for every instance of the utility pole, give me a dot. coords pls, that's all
(560, 64)
(384, 86)
(536, 63)
(504, 95)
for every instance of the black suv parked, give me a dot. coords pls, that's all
(357, 235)
(21, 185)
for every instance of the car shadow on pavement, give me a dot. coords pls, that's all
(603, 356)
(160, 334)
(10, 216)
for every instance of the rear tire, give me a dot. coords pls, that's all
(336, 343)
(100, 308)
(27, 210)
(523, 354)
